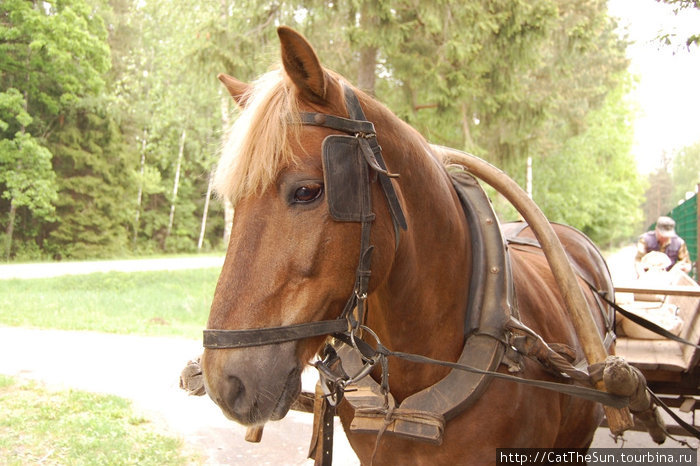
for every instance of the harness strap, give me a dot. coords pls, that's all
(688, 427)
(321, 447)
(586, 393)
(219, 339)
(345, 125)
(527, 342)
(358, 125)
(355, 111)
(642, 321)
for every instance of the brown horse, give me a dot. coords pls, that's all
(289, 261)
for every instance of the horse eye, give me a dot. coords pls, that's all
(308, 193)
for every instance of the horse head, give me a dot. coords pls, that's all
(288, 260)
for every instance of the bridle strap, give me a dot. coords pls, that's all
(218, 339)
(364, 131)
(335, 122)
(355, 110)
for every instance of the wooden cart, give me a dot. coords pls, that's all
(671, 368)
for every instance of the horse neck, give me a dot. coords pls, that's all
(421, 306)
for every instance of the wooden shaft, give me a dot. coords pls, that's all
(254, 434)
(671, 290)
(586, 329)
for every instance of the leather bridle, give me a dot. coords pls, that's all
(353, 159)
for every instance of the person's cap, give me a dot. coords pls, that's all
(665, 226)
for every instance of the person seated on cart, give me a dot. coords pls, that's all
(663, 239)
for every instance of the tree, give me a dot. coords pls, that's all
(26, 177)
(686, 171)
(680, 5)
(592, 182)
(658, 196)
(158, 94)
(52, 54)
(91, 164)
(506, 79)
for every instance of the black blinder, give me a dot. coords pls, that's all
(345, 177)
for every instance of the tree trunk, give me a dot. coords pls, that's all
(139, 197)
(228, 208)
(203, 229)
(466, 128)
(10, 230)
(176, 185)
(366, 74)
(225, 99)
(228, 218)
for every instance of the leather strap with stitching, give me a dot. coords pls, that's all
(218, 339)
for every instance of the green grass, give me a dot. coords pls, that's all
(172, 303)
(41, 426)
(126, 256)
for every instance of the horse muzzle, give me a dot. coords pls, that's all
(253, 385)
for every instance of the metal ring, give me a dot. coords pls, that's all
(361, 297)
(356, 348)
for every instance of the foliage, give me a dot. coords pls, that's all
(680, 5)
(26, 174)
(507, 80)
(599, 157)
(668, 185)
(95, 97)
(160, 95)
(92, 169)
(52, 55)
(72, 427)
(686, 171)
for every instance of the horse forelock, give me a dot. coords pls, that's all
(258, 144)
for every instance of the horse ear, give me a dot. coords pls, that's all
(302, 65)
(237, 89)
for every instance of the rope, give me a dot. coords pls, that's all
(390, 414)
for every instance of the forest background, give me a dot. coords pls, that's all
(111, 117)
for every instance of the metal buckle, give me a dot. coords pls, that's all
(332, 375)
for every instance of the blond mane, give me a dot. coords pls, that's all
(258, 144)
